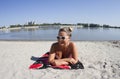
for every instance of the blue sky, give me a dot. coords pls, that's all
(63, 11)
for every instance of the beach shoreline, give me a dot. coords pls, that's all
(100, 58)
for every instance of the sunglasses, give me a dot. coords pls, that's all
(61, 37)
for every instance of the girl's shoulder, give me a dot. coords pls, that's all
(55, 44)
(72, 43)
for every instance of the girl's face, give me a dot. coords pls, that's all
(63, 38)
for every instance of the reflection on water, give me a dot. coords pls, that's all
(50, 34)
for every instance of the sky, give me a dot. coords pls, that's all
(60, 11)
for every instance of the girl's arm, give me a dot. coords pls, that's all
(74, 52)
(51, 54)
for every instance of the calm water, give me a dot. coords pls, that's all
(50, 34)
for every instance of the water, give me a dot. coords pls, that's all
(51, 34)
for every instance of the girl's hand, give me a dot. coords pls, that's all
(72, 61)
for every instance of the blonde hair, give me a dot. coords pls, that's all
(68, 30)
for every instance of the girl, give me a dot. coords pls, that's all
(63, 51)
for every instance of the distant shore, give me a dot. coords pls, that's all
(18, 28)
(56, 25)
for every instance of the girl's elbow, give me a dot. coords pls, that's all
(50, 61)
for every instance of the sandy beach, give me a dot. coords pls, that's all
(101, 60)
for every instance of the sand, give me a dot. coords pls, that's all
(100, 58)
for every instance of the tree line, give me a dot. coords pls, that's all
(84, 25)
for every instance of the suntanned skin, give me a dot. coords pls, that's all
(63, 51)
